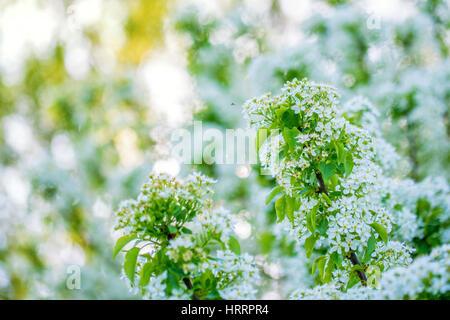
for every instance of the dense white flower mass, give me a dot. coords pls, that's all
(362, 112)
(426, 277)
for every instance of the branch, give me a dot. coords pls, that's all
(353, 258)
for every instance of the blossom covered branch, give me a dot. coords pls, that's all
(182, 248)
(329, 182)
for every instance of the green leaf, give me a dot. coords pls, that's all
(129, 265)
(171, 282)
(177, 271)
(273, 193)
(311, 219)
(326, 198)
(329, 271)
(146, 272)
(186, 230)
(261, 137)
(289, 118)
(354, 279)
(234, 245)
(342, 134)
(321, 267)
(308, 222)
(289, 208)
(122, 242)
(280, 208)
(177, 213)
(309, 245)
(290, 137)
(327, 170)
(314, 216)
(336, 258)
(334, 180)
(280, 112)
(357, 268)
(348, 164)
(370, 249)
(323, 226)
(306, 191)
(172, 229)
(315, 264)
(381, 230)
(340, 152)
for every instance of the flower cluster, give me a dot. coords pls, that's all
(163, 205)
(182, 247)
(326, 169)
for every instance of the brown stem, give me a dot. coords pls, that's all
(171, 236)
(322, 187)
(353, 258)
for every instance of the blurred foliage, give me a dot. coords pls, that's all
(96, 121)
(143, 29)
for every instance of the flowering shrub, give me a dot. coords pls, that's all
(329, 182)
(179, 246)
